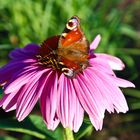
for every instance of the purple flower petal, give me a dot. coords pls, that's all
(28, 51)
(7, 71)
(13, 67)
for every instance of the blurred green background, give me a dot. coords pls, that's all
(118, 22)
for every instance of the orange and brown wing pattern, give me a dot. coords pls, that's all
(73, 46)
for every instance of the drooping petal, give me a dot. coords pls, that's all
(88, 98)
(96, 83)
(122, 83)
(98, 124)
(29, 95)
(63, 104)
(49, 101)
(110, 88)
(78, 109)
(70, 111)
(114, 62)
(19, 79)
(9, 101)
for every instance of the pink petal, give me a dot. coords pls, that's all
(49, 100)
(98, 124)
(19, 79)
(109, 87)
(30, 95)
(122, 83)
(79, 113)
(88, 105)
(114, 62)
(96, 82)
(10, 102)
(95, 42)
(98, 64)
(70, 111)
(87, 100)
(63, 101)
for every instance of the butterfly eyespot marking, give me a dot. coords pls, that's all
(72, 23)
(68, 72)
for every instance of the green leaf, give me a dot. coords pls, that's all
(135, 105)
(33, 125)
(85, 129)
(135, 97)
(1, 90)
(54, 135)
(1, 93)
(7, 138)
(5, 47)
(132, 92)
(129, 31)
(130, 51)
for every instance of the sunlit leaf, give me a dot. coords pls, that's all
(129, 31)
(33, 125)
(7, 138)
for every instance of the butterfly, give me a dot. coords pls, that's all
(68, 52)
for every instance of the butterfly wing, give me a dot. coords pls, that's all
(73, 46)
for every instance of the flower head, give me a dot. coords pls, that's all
(28, 77)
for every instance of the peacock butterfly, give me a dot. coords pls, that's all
(68, 52)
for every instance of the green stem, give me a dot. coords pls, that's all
(68, 134)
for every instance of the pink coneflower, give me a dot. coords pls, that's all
(62, 99)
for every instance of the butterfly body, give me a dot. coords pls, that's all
(69, 51)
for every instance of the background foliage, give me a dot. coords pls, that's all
(117, 21)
